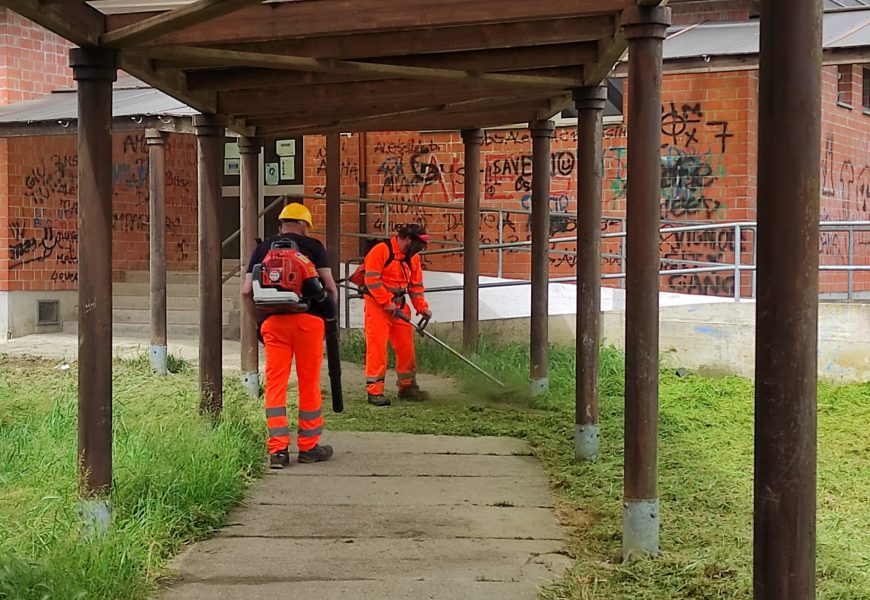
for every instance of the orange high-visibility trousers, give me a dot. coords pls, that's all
(380, 327)
(286, 336)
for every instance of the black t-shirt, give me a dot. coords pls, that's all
(310, 247)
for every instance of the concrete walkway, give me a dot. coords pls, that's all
(392, 516)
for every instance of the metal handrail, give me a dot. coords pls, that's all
(457, 247)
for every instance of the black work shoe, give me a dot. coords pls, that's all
(414, 393)
(378, 400)
(317, 454)
(280, 459)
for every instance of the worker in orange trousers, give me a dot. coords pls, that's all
(289, 336)
(393, 270)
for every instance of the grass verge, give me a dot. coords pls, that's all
(175, 477)
(705, 472)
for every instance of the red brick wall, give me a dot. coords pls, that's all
(39, 189)
(708, 174)
(33, 61)
(845, 175)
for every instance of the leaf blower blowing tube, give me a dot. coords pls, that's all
(333, 354)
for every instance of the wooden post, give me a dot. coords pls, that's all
(156, 142)
(210, 146)
(786, 340)
(590, 125)
(645, 28)
(333, 202)
(539, 352)
(94, 70)
(249, 149)
(472, 139)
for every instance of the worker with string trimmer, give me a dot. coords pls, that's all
(391, 273)
(392, 268)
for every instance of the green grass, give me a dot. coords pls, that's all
(175, 477)
(705, 472)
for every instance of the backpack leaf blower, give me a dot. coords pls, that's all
(286, 282)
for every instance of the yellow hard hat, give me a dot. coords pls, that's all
(296, 212)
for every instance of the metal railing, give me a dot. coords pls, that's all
(734, 243)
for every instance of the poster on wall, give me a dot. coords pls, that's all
(286, 155)
(232, 159)
(288, 168)
(271, 173)
(285, 147)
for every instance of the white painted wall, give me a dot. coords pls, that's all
(701, 333)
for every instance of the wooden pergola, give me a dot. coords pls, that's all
(327, 66)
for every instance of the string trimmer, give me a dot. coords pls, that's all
(421, 329)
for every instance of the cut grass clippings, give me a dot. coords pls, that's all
(176, 475)
(704, 472)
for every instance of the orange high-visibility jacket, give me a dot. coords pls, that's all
(386, 281)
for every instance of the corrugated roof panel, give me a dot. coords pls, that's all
(714, 39)
(125, 103)
(845, 29)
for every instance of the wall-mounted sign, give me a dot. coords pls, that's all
(272, 173)
(232, 166)
(288, 168)
(285, 148)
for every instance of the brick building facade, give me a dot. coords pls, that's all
(709, 156)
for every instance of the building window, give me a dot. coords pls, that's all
(844, 85)
(865, 96)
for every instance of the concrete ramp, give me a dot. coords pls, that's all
(393, 516)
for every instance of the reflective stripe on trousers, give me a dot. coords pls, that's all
(286, 337)
(380, 328)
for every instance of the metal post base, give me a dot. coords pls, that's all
(539, 386)
(158, 360)
(96, 515)
(640, 528)
(251, 381)
(586, 442)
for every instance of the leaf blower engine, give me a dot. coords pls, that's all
(286, 281)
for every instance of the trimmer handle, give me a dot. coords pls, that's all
(421, 324)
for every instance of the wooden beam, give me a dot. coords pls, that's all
(285, 20)
(265, 101)
(609, 52)
(502, 59)
(230, 58)
(340, 105)
(174, 20)
(73, 19)
(171, 83)
(554, 107)
(449, 121)
(247, 78)
(456, 39)
(467, 105)
(443, 39)
(350, 118)
(227, 80)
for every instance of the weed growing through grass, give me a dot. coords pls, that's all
(705, 472)
(175, 477)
